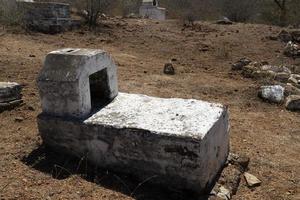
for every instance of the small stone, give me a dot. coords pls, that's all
(263, 75)
(224, 21)
(241, 161)
(231, 177)
(32, 56)
(293, 103)
(30, 108)
(296, 78)
(272, 93)
(19, 119)
(224, 193)
(251, 180)
(289, 89)
(169, 69)
(282, 77)
(276, 69)
(240, 64)
(248, 71)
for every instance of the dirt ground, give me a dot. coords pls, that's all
(268, 134)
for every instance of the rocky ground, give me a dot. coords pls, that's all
(202, 57)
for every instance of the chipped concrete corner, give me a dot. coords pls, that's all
(181, 143)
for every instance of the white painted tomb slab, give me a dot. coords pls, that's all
(182, 143)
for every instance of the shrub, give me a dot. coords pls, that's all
(10, 13)
(240, 10)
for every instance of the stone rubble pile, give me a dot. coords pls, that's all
(231, 176)
(284, 81)
(10, 95)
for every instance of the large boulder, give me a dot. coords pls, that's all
(293, 103)
(272, 93)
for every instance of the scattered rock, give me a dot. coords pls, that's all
(271, 37)
(224, 21)
(240, 64)
(241, 161)
(224, 193)
(266, 75)
(292, 50)
(294, 80)
(30, 108)
(295, 35)
(132, 16)
(296, 77)
(285, 36)
(276, 69)
(169, 69)
(291, 35)
(231, 178)
(19, 119)
(251, 180)
(273, 93)
(289, 89)
(293, 103)
(248, 70)
(282, 77)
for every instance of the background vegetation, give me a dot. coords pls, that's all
(276, 12)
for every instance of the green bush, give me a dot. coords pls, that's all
(10, 13)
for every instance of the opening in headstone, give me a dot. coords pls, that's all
(154, 3)
(99, 89)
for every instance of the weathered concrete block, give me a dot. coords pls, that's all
(47, 17)
(182, 143)
(74, 79)
(149, 9)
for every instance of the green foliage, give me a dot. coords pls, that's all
(10, 13)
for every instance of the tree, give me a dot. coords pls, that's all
(281, 4)
(92, 9)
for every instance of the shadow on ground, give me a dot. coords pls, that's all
(62, 166)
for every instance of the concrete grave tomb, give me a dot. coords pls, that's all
(150, 9)
(181, 143)
(47, 17)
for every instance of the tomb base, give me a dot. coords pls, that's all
(152, 12)
(177, 143)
